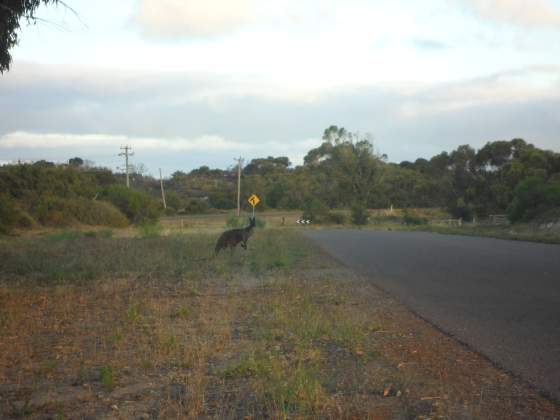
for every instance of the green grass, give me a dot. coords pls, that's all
(74, 257)
(149, 230)
(108, 377)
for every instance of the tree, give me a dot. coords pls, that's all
(268, 166)
(335, 135)
(76, 161)
(11, 14)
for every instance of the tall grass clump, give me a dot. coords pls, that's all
(149, 229)
(234, 222)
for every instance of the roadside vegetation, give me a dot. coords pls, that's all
(144, 326)
(337, 184)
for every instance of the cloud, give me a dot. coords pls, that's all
(184, 18)
(27, 140)
(182, 120)
(534, 13)
(540, 83)
(428, 44)
(29, 146)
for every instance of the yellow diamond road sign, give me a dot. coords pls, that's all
(254, 200)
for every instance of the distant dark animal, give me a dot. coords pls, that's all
(230, 238)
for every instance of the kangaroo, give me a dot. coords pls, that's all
(230, 238)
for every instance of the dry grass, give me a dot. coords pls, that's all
(279, 331)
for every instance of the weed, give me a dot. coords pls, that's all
(149, 229)
(296, 389)
(114, 338)
(180, 313)
(248, 365)
(170, 342)
(132, 313)
(107, 374)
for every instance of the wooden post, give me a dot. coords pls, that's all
(126, 153)
(239, 186)
(162, 191)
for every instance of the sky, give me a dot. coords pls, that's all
(187, 83)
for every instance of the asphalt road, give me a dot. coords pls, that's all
(500, 297)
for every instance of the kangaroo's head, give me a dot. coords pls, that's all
(252, 222)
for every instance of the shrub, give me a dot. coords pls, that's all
(95, 213)
(234, 222)
(411, 219)
(336, 218)
(533, 197)
(8, 214)
(360, 214)
(137, 206)
(196, 206)
(60, 212)
(460, 208)
(149, 229)
(315, 210)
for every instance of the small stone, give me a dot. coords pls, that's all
(115, 407)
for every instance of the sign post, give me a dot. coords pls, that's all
(253, 201)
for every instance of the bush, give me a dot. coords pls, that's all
(137, 206)
(8, 214)
(95, 213)
(360, 214)
(315, 210)
(411, 219)
(461, 209)
(60, 212)
(149, 229)
(336, 218)
(25, 221)
(234, 222)
(196, 206)
(533, 197)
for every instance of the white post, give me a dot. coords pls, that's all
(239, 160)
(162, 191)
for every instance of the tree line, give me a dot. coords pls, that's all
(344, 172)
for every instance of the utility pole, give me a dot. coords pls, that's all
(162, 191)
(127, 153)
(239, 163)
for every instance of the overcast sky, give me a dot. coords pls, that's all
(189, 82)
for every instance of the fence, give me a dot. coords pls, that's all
(448, 222)
(498, 219)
